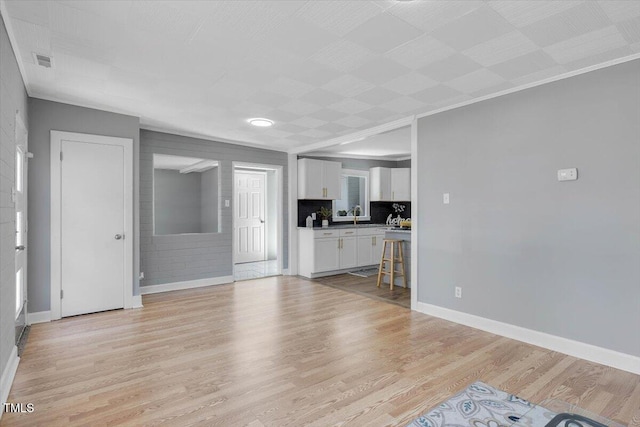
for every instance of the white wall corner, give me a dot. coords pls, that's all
(38, 317)
(8, 374)
(178, 286)
(136, 301)
(285, 272)
(592, 353)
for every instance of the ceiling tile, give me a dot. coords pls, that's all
(308, 37)
(164, 17)
(403, 104)
(308, 122)
(473, 82)
(312, 73)
(436, 94)
(410, 83)
(500, 49)
(429, 15)
(377, 114)
(620, 10)
(630, 29)
(581, 19)
(521, 13)
(297, 106)
(288, 87)
(347, 85)
(321, 97)
(350, 106)
(32, 37)
(473, 28)
(268, 98)
(523, 65)
(327, 115)
(353, 122)
(592, 43)
(315, 133)
(338, 16)
(420, 52)
(606, 56)
(540, 75)
(343, 55)
(383, 32)
(376, 95)
(450, 68)
(380, 71)
(334, 128)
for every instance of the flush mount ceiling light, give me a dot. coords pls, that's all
(261, 122)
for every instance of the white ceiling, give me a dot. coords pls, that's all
(320, 69)
(391, 145)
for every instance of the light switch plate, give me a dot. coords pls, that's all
(445, 198)
(568, 174)
(313, 216)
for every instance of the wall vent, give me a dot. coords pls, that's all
(43, 60)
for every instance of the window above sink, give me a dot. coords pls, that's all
(355, 197)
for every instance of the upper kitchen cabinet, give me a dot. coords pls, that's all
(390, 184)
(319, 179)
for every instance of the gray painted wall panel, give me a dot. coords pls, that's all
(201, 256)
(47, 116)
(209, 199)
(13, 97)
(177, 205)
(557, 257)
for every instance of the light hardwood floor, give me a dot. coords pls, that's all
(284, 351)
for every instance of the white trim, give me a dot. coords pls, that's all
(279, 202)
(127, 145)
(8, 374)
(285, 272)
(353, 137)
(331, 154)
(415, 215)
(14, 47)
(136, 301)
(191, 284)
(615, 359)
(38, 317)
(292, 164)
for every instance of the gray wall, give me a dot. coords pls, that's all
(177, 206)
(168, 259)
(13, 97)
(46, 116)
(557, 257)
(209, 200)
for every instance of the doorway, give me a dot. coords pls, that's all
(91, 223)
(257, 225)
(21, 214)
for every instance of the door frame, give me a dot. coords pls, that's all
(21, 130)
(279, 212)
(56, 233)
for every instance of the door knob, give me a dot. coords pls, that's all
(261, 221)
(20, 248)
(118, 236)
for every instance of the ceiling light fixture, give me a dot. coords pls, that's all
(261, 122)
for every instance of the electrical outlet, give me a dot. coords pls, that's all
(141, 276)
(313, 216)
(445, 198)
(458, 292)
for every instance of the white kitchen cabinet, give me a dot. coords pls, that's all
(390, 184)
(370, 247)
(329, 251)
(319, 179)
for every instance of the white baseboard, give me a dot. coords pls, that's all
(137, 301)
(8, 374)
(604, 356)
(177, 286)
(38, 317)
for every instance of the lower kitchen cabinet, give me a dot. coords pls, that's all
(331, 251)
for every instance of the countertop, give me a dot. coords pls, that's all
(350, 225)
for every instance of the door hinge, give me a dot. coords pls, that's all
(61, 156)
(61, 294)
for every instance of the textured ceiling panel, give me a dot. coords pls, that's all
(319, 69)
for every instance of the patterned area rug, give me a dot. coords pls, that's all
(480, 405)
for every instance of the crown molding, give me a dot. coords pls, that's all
(14, 45)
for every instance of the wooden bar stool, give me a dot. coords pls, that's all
(392, 260)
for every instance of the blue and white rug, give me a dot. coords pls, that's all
(480, 405)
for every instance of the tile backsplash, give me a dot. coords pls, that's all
(380, 211)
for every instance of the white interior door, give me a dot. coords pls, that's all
(92, 239)
(249, 212)
(20, 199)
